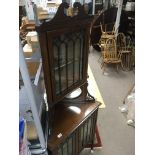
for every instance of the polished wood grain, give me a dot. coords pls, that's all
(67, 118)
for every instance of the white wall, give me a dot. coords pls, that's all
(29, 9)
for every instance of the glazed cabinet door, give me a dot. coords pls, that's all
(64, 43)
(66, 60)
(82, 137)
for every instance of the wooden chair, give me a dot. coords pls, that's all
(106, 34)
(125, 47)
(110, 54)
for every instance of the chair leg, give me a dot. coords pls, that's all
(99, 58)
(122, 65)
(104, 67)
(117, 67)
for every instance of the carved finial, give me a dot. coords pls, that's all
(80, 8)
(60, 12)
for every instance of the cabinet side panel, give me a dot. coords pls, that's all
(45, 61)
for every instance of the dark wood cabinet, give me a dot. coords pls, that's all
(64, 43)
(75, 130)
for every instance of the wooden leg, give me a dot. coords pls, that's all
(93, 137)
(100, 58)
(101, 65)
(92, 147)
(117, 67)
(122, 65)
(92, 143)
(104, 65)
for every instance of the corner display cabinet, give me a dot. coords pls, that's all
(64, 43)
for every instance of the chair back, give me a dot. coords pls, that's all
(110, 50)
(121, 42)
(106, 34)
(124, 44)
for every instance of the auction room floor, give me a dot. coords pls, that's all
(117, 137)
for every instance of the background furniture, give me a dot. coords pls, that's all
(110, 54)
(107, 17)
(106, 34)
(126, 47)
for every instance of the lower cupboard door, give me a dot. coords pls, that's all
(79, 139)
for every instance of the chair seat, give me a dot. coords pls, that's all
(108, 36)
(126, 51)
(112, 60)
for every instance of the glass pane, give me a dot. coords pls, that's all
(70, 62)
(63, 67)
(65, 149)
(77, 49)
(62, 55)
(81, 55)
(68, 57)
(70, 74)
(77, 60)
(63, 78)
(89, 129)
(57, 81)
(70, 50)
(60, 151)
(57, 73)
(70, 146)
(81, 135)
(76, 71)
(73, 143)
(55, 56)
(85, 133)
